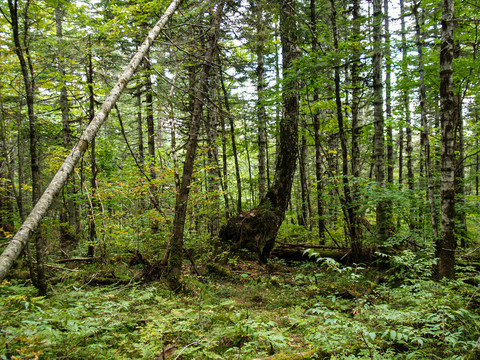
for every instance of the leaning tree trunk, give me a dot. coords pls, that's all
(445, 247)
(40, 209)
(257, 229)
(175, 246)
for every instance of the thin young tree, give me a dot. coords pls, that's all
(424, 122)
(347, 201)
(316, 132)
(261, 86)
(379, 122)
(23, 53)
(175, 245)
(68, 213)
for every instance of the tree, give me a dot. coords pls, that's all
(446, 245)
(379, 123)
(68, 215)
(347, 201)
(23, 54)
(424, 123)
(257, 229)
(261, 113)
(40, 209)
(175, 246)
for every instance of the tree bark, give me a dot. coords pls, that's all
(7, 224)
(32, 221)
(68, 214)
(234, 146)
(257, 229)
(425, 125)
(261, 113)
(175, 246)
(356, 135)
(347, 201)
(379, 124)
(92, 226)
(316, 130)
(446, 245)
(388, 99)
(304, 218)
(26, 66)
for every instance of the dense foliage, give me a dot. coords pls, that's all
(337, 120)
(246, 312)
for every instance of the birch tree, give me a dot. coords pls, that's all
(41, 207)
(446, 245)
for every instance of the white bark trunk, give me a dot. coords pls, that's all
(18, 242)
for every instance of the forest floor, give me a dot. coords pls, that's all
(243, 310)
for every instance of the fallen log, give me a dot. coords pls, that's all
(291, 252)
(79, 259)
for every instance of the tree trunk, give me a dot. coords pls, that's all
(257, 229)
(460, 214)
(425, 125)
(224, 154)
(381, 212)
(234, 146)
(175, 246)
(214, 176)
(24, 58)
(388, 112)
(446, 245)
(305, 196)
(261, 113)
(7, 186)
(346, 201)
(316, 130)
(68, 213)
(40, 209)
(388, 98)
(92, 226)
(356, 135)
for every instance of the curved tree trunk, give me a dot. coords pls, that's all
(257, 229)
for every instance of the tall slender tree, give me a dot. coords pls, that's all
(347, 201)
(23, 53)
(261, 86)
(175, 246)
(446, 245)
(316, 131)
(379, 123)
(424, 122)
(68, 214)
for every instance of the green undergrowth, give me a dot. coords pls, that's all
(248, 311)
